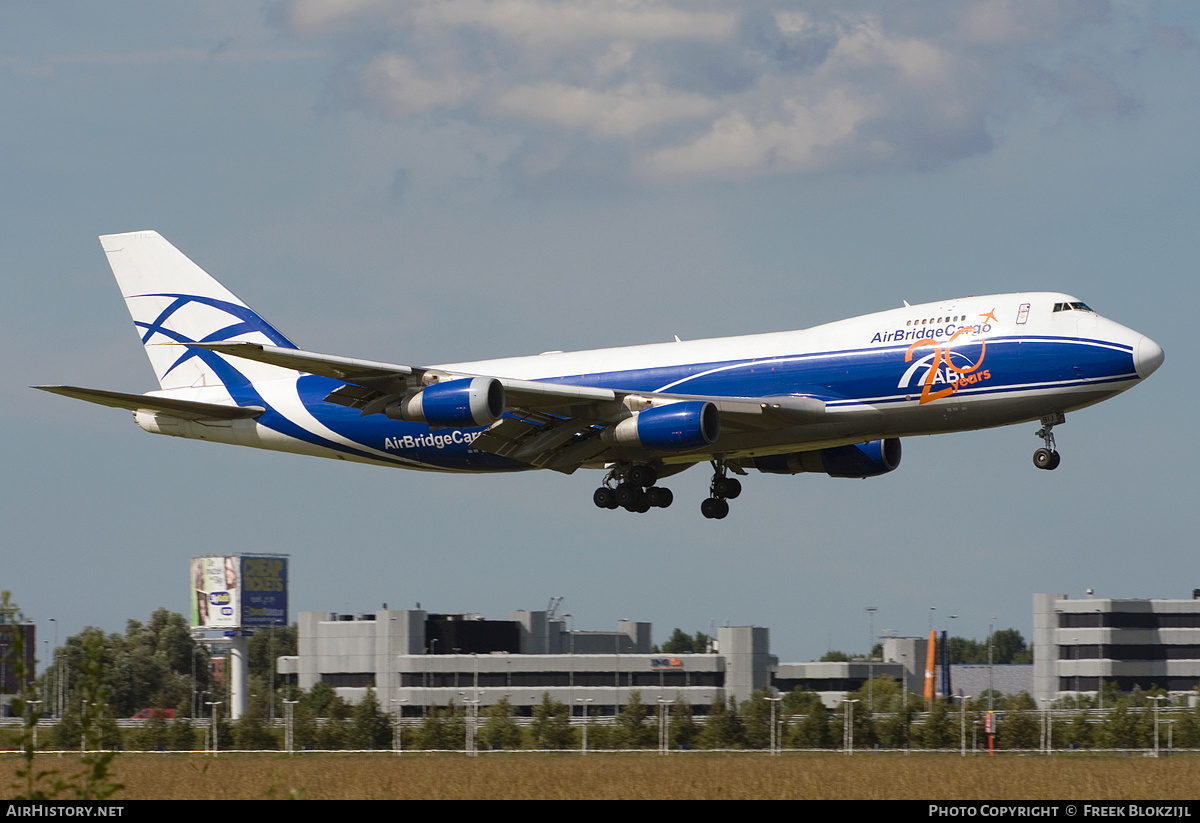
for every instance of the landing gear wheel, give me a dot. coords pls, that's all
(727, 488)
(626, 492)
(1046, 459)
(659, 497)
(639, 503)
(641, 475)
(605, 498)
(714, 508)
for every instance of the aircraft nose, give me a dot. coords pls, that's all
(1147, 357)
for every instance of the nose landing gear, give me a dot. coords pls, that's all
(1048, 458)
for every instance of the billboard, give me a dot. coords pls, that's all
(236, 591)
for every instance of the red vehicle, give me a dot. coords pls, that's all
(146, 714)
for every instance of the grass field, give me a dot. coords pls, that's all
(646, 776)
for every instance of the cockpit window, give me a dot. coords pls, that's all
(1077, 306)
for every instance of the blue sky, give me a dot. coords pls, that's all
(444, 180)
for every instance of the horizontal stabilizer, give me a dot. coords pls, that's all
(189, 409)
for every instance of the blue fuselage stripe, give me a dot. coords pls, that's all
(881, 375)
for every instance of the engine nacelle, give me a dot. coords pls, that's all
(856, 460)
(683, 426)
(455, 404)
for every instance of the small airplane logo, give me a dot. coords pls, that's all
(991, 314)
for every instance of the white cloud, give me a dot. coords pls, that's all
(715, 89)
(400, 87)
(621, 112)
(802, 136)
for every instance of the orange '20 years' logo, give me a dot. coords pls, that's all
(966, 376)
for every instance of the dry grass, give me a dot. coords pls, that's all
(690, 776)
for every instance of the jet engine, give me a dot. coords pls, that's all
(455, 404)
(682, 426)
(856, 460)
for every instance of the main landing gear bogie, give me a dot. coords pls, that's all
(631, 487)
(1048, 457)
(722, 489)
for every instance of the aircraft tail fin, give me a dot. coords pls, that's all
(174, 302)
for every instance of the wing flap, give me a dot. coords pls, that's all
(189, 409)
(764, 413)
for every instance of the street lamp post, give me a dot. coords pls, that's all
(962, 723)
(289, 733)
(776, 743)
(871, 660)
(1156, 698)
(216, 740)
(31, 709)
(586, 715)
(664, 721)
(56, 666)
(848, 731)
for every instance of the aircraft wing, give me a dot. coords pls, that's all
(188, 409)
(386, 381)
(549, 425)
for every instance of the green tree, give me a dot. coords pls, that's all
(1187, 728)
(1008, 646)
(722, 728)
(250, 732)
(864, 729)
(154, 734)
(551, 727)
(937, 731)
(1021, 727)
(320, 698)
(93, 782)
(1077, 733)
(756, 717)
(181, 736)
(634, 729)
(680, 643)
(500, 729)
(1118, 729)
(370, 727)
(809, 726)
(683, 728)
(961, 650)
(266, 646)
(333, 732)
(443, 729)
(150, 666)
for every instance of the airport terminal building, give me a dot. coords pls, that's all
(1132, 643)
(415, 660)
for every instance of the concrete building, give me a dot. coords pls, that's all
(414, 660)
(1132, 643)
(903, 660)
